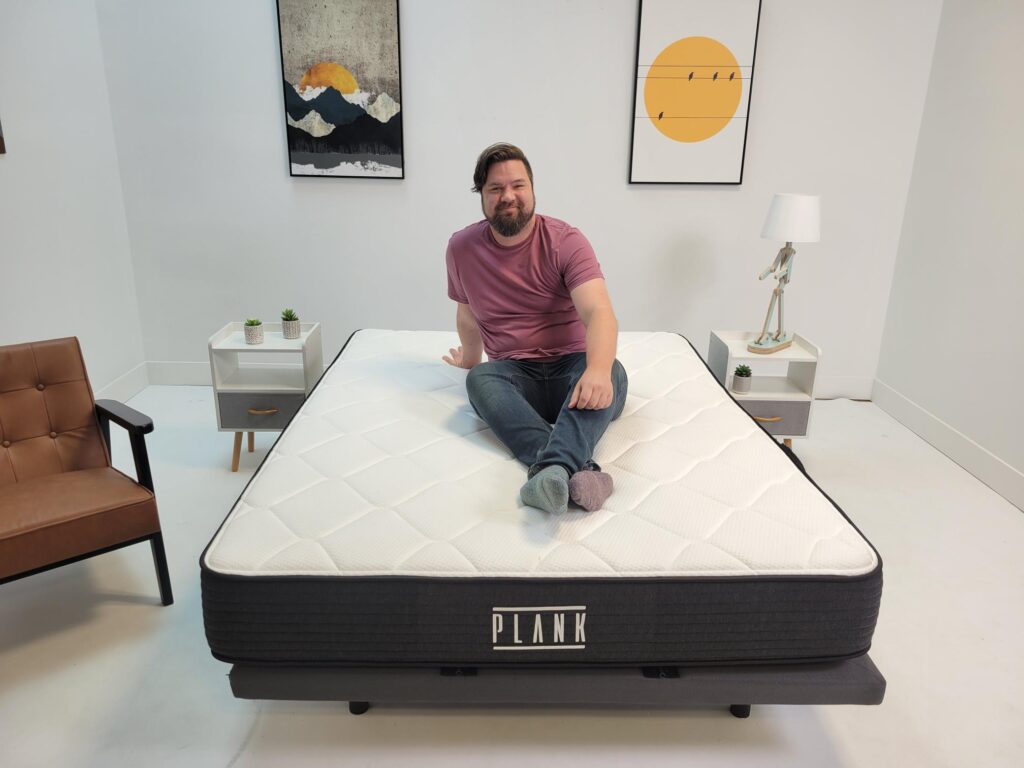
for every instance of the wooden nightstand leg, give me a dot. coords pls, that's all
(252, 442)
(788, 442)
(236, 453)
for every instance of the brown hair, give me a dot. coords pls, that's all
(497, 153)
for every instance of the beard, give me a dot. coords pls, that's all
(510, 225)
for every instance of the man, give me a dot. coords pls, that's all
(531, 293)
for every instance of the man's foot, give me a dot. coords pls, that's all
(590, 489)
(548, 490)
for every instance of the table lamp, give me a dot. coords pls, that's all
(791, 218)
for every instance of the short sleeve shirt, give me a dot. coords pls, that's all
(520, 294)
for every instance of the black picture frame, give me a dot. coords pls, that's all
(334, 127)
(658, 157)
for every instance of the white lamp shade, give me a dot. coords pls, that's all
(793, 218)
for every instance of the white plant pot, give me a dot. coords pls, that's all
(292, 328)
(253, 334)
(741, 384)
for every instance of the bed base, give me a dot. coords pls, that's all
(853, 681)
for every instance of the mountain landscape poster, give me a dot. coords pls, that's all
(3, 147)
(342, 87)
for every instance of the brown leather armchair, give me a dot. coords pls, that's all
(60, 499)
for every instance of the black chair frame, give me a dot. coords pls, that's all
(138, 426)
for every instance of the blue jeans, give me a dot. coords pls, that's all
(526, 405)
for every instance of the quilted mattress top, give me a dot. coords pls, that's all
(387, 471)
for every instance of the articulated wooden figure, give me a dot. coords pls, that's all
(782, 270)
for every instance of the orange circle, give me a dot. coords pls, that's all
(692, 89)
(329, 73)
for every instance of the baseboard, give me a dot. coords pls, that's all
(851, 387)
(1002, 478)
(126, 386)
(179, 373)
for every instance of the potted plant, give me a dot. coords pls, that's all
(290, 324)
(741, 380)
(253, 331)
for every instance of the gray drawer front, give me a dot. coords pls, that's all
(793, 414)
(234, 409)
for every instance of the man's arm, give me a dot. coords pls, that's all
(472, 349)
(594, 389)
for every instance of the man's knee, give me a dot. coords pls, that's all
(477, 380)
(619, 375)
(620, 385)
(474, 380)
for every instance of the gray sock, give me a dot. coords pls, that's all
(548, 490)
(590, 489)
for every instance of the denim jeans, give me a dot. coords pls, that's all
(526, 405)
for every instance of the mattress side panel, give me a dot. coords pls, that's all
(481, 622)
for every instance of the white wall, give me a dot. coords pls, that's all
(220, 231)
(953, 354)
(65, 261)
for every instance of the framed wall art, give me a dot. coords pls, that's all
(342, 87)
(3, 147)
(691, 96)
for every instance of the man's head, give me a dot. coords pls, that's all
(504, 179)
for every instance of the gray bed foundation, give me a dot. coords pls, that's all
(853, 681)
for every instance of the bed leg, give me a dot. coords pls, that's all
(740, 710)
(360, 707)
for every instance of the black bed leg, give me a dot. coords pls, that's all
(358, 707)
(740, 710)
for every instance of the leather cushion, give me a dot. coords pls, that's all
(49, 519)
(47, 415)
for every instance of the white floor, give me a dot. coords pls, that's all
(93, 672)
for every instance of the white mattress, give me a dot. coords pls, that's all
(387, 471)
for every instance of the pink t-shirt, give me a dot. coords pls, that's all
(520, 294)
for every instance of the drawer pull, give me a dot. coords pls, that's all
(262, 411)
(767, 419)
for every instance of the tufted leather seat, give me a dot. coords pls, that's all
(60, 499)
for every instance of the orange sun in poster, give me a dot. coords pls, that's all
(692, 89)
(329, 73)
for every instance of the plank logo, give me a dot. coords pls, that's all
(539, 628)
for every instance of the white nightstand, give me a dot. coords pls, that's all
(781, 393)
(261, 396)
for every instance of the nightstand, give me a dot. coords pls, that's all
(781, 396)
(256, 387)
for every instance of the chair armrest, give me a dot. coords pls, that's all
(124, 416)
(138, 425)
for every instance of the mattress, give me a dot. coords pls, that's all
(384, 528)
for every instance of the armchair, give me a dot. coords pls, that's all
(60, 499)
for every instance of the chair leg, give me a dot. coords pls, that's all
(163, 576)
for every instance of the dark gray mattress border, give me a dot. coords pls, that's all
(397, 621)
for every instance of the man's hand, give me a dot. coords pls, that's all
(456, 358)
(593, 391)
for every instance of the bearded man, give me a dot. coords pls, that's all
(531, 293)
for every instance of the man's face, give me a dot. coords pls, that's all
(507, 197)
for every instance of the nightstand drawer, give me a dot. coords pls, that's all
(779, 417)
(245, 411)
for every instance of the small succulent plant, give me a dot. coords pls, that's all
(742, 371)
(288, 314)
(254, 321)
